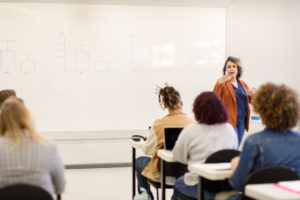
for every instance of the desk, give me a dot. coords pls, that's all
(166, 156)
(134, 145)
(269, 192)
(203, 171)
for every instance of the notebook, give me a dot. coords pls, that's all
(292, 186)
(170, 136)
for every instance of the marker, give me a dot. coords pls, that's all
(226, 70)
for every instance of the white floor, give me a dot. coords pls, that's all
(100, 184)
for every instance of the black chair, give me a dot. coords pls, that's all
(272, 174)
(25, 192)
(224, 155)
(174, 169)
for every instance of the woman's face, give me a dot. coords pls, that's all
(232, 69)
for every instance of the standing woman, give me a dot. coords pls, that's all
(147, 167)
(236, 96)
(26, 157)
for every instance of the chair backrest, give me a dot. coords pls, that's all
(170, 136)
(224, 155)
(24, 192)
(272, 174)
(175, 169)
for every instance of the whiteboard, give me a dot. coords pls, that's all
(85, 67)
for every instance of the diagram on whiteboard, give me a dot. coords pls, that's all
(8, 61)
(80, 58)
(7, 57)
(28, 64)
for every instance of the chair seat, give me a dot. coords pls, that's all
(157, 184)
(24, 192)
(184, 197)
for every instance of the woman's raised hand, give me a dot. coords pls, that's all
(224, 79)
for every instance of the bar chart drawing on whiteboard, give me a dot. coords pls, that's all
(77, 58)
(28, 64)
(7, 56)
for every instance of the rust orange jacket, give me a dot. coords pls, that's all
(226, 93)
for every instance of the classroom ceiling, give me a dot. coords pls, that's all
(198, 3)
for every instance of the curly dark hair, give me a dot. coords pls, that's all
(277, 105)
(4, 94)
(168, 97)
(237, 61)
(209, 109)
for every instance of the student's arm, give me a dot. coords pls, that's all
(151, 142)
(245, 165)
(181, 148)
(57, 172)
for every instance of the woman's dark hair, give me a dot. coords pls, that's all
(277, 105)
(4, 94)
(237, 61)
(168, 97)
(209, 109)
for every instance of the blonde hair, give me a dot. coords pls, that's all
(14, 120)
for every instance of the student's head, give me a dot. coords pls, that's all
(14, 120)
(277, 105)
(209, 109)
(233, 62)
(4, 94)
(169, 98)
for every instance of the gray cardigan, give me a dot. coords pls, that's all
(197, 141)
(31, 163)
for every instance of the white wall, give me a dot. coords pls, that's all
(94, 147)
(265, 34)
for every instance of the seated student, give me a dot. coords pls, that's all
(197, 141)
(4, 94)
(146, 167)
(26, 157)
(276, 145)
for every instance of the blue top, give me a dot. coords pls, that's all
(267, 148)
(241, 100)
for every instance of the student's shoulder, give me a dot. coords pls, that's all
(226, 126)
(157, 122)
(260, 137)
(161, 121)
(49, 145)
(191, 128)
